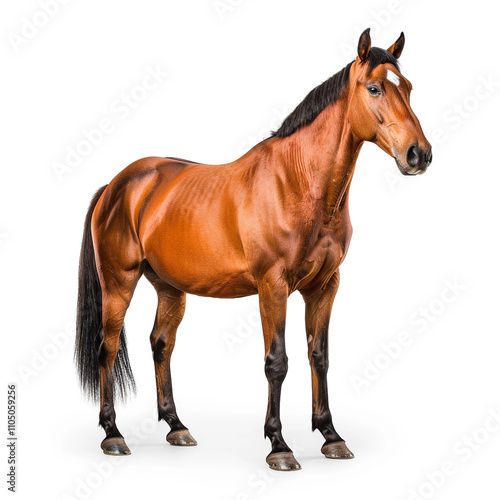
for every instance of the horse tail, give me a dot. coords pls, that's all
(89, 328)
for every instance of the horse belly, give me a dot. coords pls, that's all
(196, 250)
(200, 272)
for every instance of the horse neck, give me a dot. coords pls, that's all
(323, 155)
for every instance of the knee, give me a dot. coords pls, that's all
(276, 366)
(319, 362)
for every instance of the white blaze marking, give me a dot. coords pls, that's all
(392, 77)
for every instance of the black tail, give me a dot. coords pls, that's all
(89, 323)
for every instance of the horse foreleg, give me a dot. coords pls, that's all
(273, 294)
(318, 310)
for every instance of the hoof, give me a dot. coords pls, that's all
(115, 446)
(181, 438)
(337, 450)
(283, 461)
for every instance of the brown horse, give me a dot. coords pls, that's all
(274, 221)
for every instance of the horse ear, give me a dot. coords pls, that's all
(397, 47)
(364, 45)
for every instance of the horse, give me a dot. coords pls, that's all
(274, 221)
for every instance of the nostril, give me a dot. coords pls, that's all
(429, 157)
(413, 156)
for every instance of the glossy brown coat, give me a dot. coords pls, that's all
(274, 221)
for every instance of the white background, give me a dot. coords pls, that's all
(234, 72)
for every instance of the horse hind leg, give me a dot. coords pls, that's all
(169, 314)
(118, 286)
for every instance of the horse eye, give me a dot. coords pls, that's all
(374, 90)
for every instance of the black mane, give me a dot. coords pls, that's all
(327, 93)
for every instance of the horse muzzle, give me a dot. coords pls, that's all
(417, 160)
